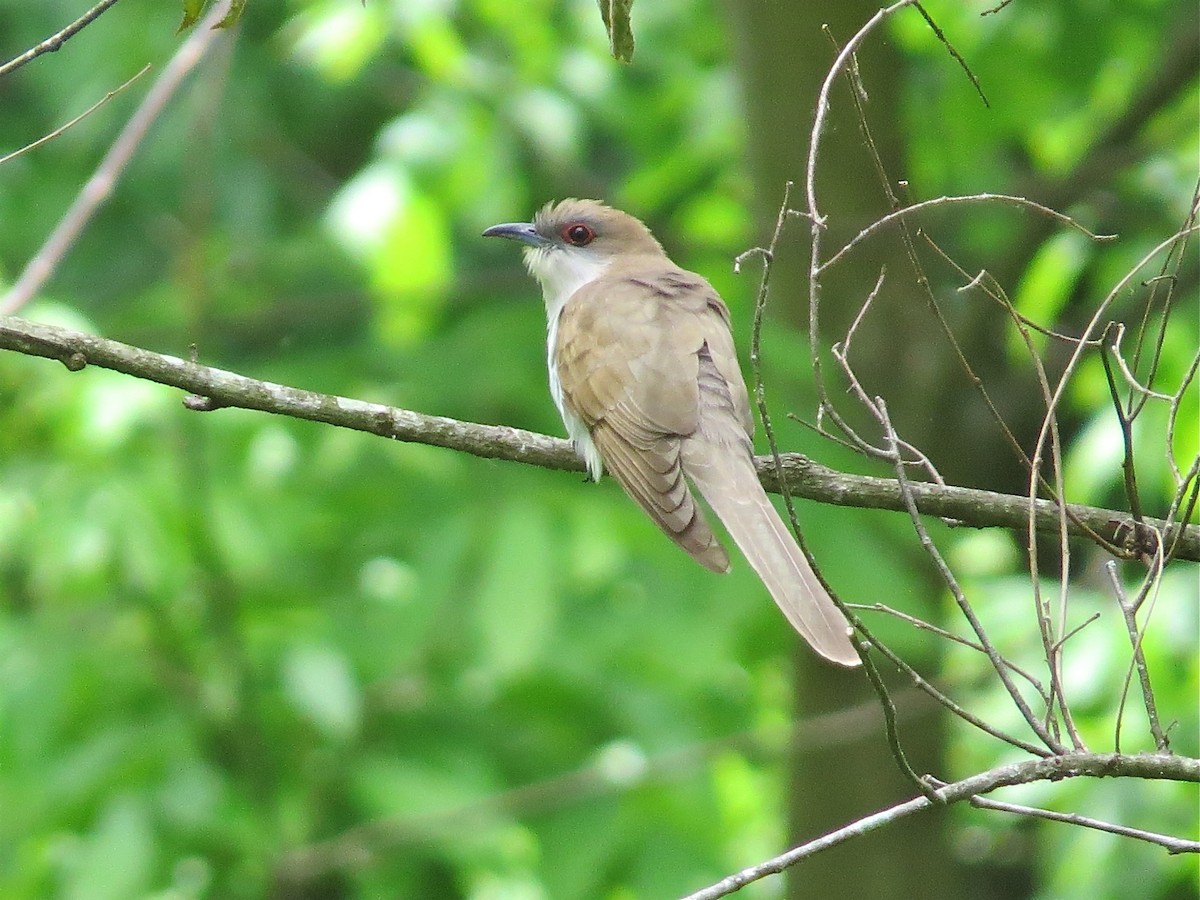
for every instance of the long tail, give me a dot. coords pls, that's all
(724, 474)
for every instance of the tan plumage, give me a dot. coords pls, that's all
(644, 370)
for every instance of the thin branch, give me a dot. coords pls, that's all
(1128, 467)
(1187, 380)
(1049, 632)
(807, 479)
(100, 186)
(842, 61)
(825, 404)
(992, 289)
(921, 684)
(1091, 328)
(75, 121)
(1171, 844)
(1129, 613)
(841, 352)
(55, 41)
(953, 51)
(818, 127)
(999, 664)
(1073, 765)
(1062, 641)
(1008, 199)
(922, 625)
(889, 721)
(1183, 505)
(1172, 418)
(1052, 646)
(1168, 275)
(760, 393)
(1048, 439)
(1142, 391)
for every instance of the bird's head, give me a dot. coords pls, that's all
(573, 242)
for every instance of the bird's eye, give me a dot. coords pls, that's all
(578, 235)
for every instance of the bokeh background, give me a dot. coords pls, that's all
(242, 656)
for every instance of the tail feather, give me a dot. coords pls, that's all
(725, 477)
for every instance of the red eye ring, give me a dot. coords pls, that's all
(578, 235)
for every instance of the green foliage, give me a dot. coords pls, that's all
(194, 9)
(245, 657)
(1096, 678)
(620, 33)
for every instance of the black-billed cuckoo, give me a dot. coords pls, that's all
(645, 375)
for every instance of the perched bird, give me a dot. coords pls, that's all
(644, 372)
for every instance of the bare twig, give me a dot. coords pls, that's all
(1129, 614)
(1128, 468)
(889, 720)
(1048, 435)
(1183, 505)
(841, 352)
(1073, 765)
(817, 218)
(922, 625)
(1062, 641)
(947, 576)
(55, 41)
(1172, 417)
(79, 118)
(1004, 199)
(1093, 326)
(100, 186)
(1050, 631)
(1189, 378)
(1168, 842)
(760, 395)
(993, 290)
(822, 110)
(1143, 392)
(953, 51)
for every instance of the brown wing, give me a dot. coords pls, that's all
(628, 360)
(648, 364)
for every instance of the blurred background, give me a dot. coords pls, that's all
(243, 656)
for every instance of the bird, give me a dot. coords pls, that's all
(644, 372)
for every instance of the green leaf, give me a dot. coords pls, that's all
(620, 33)
(1049, 282)
(115, 856)
(192, 10)
(516, 597)
(231, 18)
(318, 682)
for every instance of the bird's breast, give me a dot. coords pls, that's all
(577, 429)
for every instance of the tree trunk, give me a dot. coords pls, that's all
(782, 56)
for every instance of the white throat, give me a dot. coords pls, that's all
(562, 271)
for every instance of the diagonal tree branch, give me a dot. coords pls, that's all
(1168, 842)
(100, 185)
(216, 388)
(1056, 768)
(55, 42)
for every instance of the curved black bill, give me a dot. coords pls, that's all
(516, 231)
